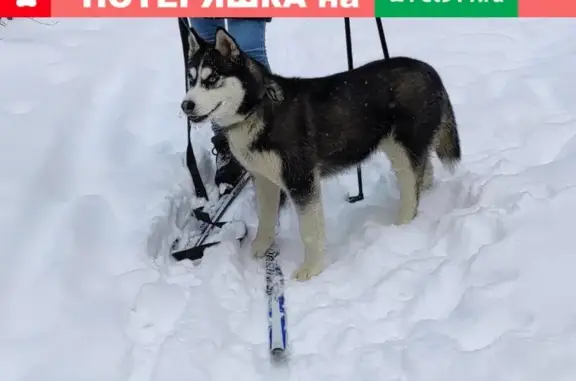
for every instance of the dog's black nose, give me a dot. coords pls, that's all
(188, 106)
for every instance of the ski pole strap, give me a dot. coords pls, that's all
(194, 253)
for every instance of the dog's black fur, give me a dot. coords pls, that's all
(399, 96)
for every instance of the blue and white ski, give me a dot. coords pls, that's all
(276, 310)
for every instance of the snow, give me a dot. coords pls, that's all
(93, 187)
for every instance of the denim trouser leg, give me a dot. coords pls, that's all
(251, 37)
(206, 28)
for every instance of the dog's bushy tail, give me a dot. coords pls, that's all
(447, 142)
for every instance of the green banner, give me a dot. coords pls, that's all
(446, 8)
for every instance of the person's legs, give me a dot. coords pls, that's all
(206, 27)
(228, 171)
(251, 37)
(250, 34)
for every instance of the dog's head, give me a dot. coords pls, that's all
(226, 85)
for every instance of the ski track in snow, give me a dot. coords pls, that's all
(479, 287)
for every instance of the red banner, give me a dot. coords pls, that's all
(25, 8)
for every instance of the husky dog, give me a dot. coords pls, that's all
(289, 133)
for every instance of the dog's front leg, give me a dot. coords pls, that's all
(268, 199)
(308, 199)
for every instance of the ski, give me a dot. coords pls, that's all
(276, 311)
(209, 218)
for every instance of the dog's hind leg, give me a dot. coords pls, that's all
(305, 191)
(267, 198)
(409, 176)
(428, 174)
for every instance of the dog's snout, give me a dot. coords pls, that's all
(188, 106)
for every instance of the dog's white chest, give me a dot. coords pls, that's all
(239, 143)
(265, 163)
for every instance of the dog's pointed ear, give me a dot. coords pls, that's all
(225, 44)
(195, 42)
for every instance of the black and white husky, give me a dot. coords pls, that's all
(291, 132)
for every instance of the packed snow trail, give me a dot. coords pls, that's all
(479, 287)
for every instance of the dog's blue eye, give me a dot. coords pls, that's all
(212, 79)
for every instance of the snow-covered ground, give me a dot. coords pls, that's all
(480, 287)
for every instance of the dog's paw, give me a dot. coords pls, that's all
(308, 270)
(402, 220)
(260, 247)
(405, 217)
